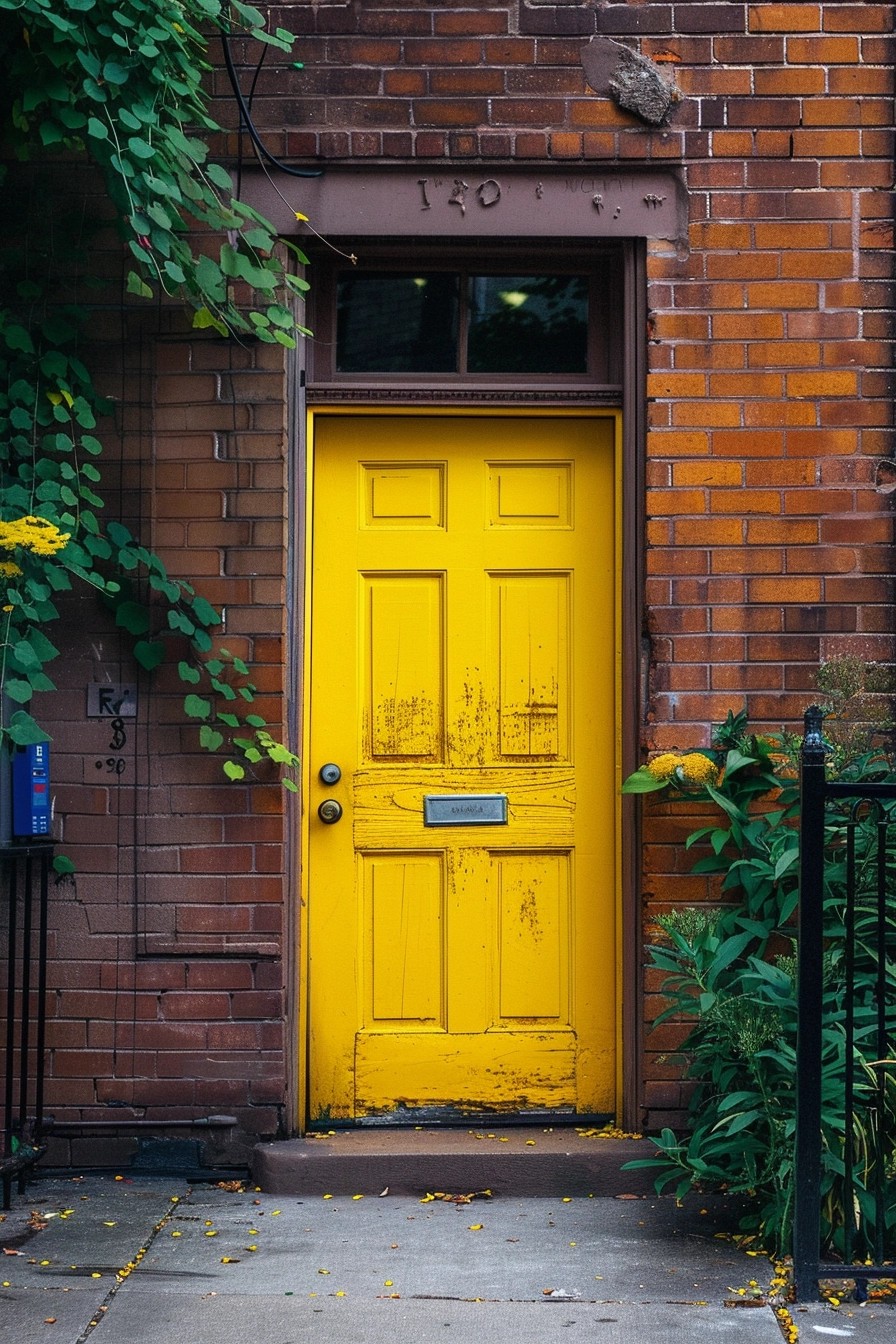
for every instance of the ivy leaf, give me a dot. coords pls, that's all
(41, 645)
(149, 654)
(210, 738)
(133, 617)
(62, 865)
(118, 534)
(204, 612)
(233, 770)
(18, 690)
(25, 655)
(197, 707)
(141, 148)
(135, 285)
(203, 319)
(17, 338)
(178, 621)
(220, 176)
(191, 675)
(24, 730)
(113, 73)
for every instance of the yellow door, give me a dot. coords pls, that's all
(461, 911)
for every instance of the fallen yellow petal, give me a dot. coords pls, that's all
(178, 1234)
(357, 1196)
(476, 1227)
(328, 1196)
(302, 218)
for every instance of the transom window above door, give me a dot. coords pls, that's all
(492, 323)
(452, 322)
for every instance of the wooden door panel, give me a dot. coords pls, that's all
(403, 899)
(532, 673)
(404, 658)
(533, 894)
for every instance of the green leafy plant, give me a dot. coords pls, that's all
(731, 975)
(115, 87)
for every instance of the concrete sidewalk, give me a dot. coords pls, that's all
(147, 1260)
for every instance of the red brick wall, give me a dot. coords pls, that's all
(167, 993)
(769, 409)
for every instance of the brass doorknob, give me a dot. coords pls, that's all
(329, 811)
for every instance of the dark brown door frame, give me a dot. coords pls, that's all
(632, 394)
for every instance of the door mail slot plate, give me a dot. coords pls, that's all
(465, 809)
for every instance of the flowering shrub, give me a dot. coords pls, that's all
(731, 975)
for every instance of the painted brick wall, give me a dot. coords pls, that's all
(770, 416)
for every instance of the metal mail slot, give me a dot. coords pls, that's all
(465, 809)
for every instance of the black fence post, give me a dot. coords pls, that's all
(807, 1154)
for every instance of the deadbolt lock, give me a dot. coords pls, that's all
(329, 773)
(329, 811)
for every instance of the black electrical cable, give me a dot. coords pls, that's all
(246, 118)
(239, 149)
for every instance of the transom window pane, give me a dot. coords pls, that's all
(527, 324)
(397, 323)
(450, 322)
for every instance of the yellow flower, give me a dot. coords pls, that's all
(664, 766)
(32, 534)
(9, 569)
(697, 769)
(692, 770)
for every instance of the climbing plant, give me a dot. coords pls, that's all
(104, 102)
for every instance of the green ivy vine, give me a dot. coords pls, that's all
(116, 87)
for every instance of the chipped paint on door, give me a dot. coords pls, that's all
(463, 643)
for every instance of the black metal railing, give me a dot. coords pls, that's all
(847, 1025)
(25, 883)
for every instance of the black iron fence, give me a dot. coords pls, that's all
(24, 884)
(845, 1182)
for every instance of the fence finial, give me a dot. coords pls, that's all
(812, 738)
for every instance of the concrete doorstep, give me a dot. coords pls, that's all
(143, 1260)
(526, 1161)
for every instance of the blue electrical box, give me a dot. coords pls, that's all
(31, 803)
